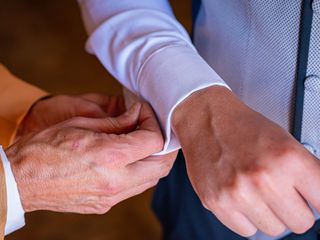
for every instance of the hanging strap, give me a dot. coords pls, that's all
(302, 64)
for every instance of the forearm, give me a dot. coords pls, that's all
(149, 52)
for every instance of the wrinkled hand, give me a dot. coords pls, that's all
(246, 169)
(87, 165)
(49, 111)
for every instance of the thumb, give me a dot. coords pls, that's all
(124, 123)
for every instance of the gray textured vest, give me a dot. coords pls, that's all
(252, 45)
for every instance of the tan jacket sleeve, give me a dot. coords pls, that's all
(16, 98)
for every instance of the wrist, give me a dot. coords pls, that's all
(22, 176)
(203, 101)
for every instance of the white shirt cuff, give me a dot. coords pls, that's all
(15, 212)
(150, 53)
(176, 73)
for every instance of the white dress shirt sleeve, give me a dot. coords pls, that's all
(15, 212)
(143, 46)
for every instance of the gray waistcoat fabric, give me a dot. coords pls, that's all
(252, 45)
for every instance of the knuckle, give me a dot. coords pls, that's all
(166, 167)
(259, 177)
(211, 203)
(237, 192)
(165, 173)
(292, 158)
(288, 152)
(237, 196)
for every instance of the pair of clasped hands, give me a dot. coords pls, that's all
(84, 154)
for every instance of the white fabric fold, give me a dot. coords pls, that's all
(15, 212)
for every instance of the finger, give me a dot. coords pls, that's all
(100, 99)
(119, 125)
(141, 143)
(90, 110)
(131, 147)
(235, 221)
(290, 208)
(148, 120)
(148, 138)
(305, 184)
(150, 169)
(112, 105)
(76, 106)
(131, 192)
(263, 218)
(249, 201)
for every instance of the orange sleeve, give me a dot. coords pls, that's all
(16, 98)
(3, 201)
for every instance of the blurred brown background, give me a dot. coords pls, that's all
(42, 42)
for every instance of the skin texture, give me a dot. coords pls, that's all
(86, 165)
(52, 110)
(246, 169)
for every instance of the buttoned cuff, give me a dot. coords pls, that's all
(167, 78)
(15, 212)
